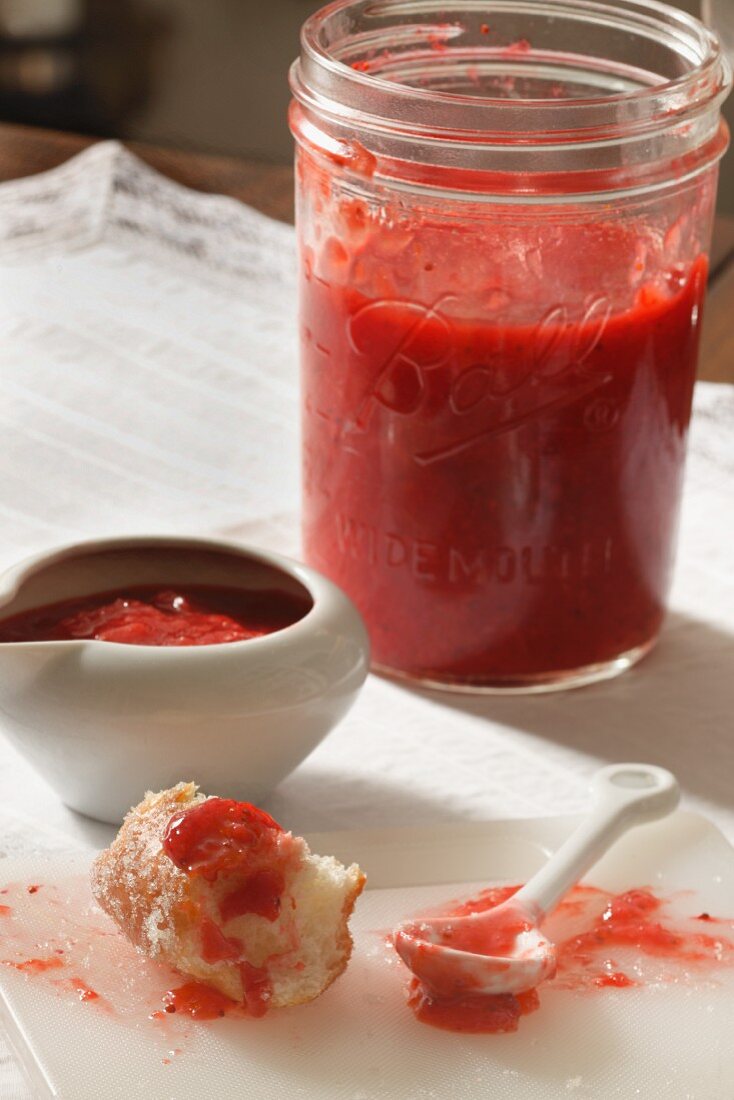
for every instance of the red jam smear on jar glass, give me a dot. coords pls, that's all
(153, 615)
(612, 939)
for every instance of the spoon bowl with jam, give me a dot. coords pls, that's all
(502, 950)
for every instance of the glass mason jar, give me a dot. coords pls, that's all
(504, 213)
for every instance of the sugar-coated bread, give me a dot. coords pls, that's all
(217, 890)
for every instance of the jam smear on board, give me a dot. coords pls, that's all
(198, 1001)
(607, 930)
(83, 991)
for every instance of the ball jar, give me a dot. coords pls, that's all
(504, 215)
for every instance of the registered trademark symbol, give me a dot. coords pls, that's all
(601, 415)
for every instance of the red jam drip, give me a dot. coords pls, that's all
(220, 836)
(83, 991)
(260, 894)
(5, 910)
(256, 989)
(37, 966)
(633, 921)
(616, 980)
(471, 1014)
(152, 615)
(201, 1002)
(215, 946)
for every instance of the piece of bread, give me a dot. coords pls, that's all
(248, 910)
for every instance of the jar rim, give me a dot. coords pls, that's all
(325, 76)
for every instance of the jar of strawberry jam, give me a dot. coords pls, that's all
(504, 214)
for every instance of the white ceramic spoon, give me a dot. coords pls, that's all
(502, 950)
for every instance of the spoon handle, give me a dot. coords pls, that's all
(624, 795)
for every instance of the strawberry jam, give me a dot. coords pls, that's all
(37, 966)
(219, 836)
(201, 1002)
(215, 946)
(503, 267)
(498, 940)
(83, 991)
(500, 500)
(471, 1014)
(603, 942)
(260, 893)
(255, 988)
(153, 615)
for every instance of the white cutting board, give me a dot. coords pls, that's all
(359, 1041)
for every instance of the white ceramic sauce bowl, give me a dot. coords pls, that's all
(103, 722)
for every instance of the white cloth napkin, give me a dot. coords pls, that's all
(149, 383)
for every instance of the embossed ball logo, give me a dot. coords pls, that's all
(410, 340)
(550, 366)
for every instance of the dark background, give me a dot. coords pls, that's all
(206, 75)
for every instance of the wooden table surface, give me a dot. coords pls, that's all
(269, 188)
